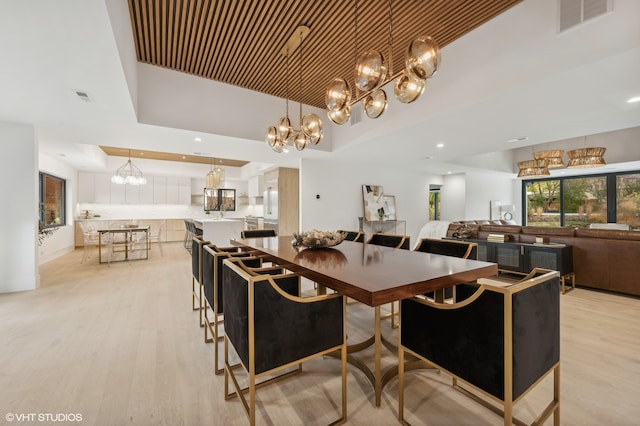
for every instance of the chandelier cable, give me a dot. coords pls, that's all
(390, 38)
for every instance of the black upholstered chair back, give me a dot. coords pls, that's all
(390, 240)
(284, 330)
(356, 236)
(461, 249)
(196, 251)
(471, 336)
(212, 273)
(258, 233)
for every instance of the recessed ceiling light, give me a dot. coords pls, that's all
(522, 138)
(197, 139)
(440, 145)
(633, 100)
(448, 173)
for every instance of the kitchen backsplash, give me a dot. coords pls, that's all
(158, 211)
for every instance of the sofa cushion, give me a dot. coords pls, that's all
(501, 229)
(608, 233)
(567, 231)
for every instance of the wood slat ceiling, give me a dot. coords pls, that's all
(167, 156)
(238, 42)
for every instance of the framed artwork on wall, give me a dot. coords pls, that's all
(389, 205)
(373, 202)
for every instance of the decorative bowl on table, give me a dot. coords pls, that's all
(316, 239)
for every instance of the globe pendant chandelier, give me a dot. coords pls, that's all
(310, 127)
(215, 178)
(371, 71)
(128, 174)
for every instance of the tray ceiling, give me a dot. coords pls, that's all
(167, 156)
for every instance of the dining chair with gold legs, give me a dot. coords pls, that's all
(356, 236)
(461, 249)
(499, 341)
(213, 306)
(197, 244)
(272, 329)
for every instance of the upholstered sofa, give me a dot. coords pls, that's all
(602, 258)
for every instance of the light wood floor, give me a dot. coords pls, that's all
(120, 345)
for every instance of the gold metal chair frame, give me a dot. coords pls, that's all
(249, 405)
(213, 325)
(553, 407)
(198, 294)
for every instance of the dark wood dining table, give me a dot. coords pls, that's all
(371, 274)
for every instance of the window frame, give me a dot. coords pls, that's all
(611, 193)
(43, 176)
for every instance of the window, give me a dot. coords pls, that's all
(434, 202)
(219, 199)
(585, 201)
(543, 202)
(582, 200)
(628, 199)
(52, 201)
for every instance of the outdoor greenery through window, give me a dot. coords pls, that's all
(52, 201)
(582, 200)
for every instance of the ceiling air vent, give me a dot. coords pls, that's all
(83, 96)
(574, 12)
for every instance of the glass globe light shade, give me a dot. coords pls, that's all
(340, 116)
(279, 145)
(408, 88)
(117, 179)
(338, 94)
(423, 57)
(370, 70)
(284, 128)
(271, 136)
(312, 127)
(375, 104)
(300, 140)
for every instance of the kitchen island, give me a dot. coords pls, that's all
(220, 231)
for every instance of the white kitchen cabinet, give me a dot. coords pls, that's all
(184, 191)
(173, 192)
(132, 194)
(160, 190)
(86, 187)
(118, 195)
(102, 194)
(146, 191)
(256, 186)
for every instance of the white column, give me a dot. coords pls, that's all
(19, 207)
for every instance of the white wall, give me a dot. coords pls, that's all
(453, 197)
(467, 196)
(19, 213)
(62, 241)
(340, 190)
